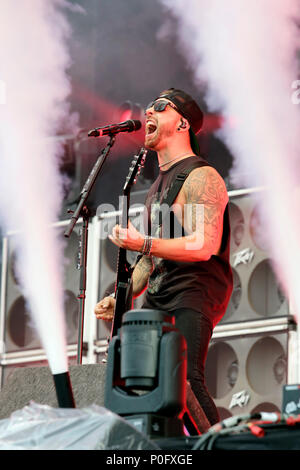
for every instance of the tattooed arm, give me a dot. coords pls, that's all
(204, 198)
(199, 207)
(206, 188)
(104, 310)
(140, 275)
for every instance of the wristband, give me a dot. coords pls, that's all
(147, 246)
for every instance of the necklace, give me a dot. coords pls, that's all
(174, 159)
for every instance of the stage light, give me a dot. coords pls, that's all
(129, 110)
(147, 373)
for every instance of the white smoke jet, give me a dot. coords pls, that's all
(245, 54)
(34, 61)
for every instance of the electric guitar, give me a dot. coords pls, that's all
(123, 289)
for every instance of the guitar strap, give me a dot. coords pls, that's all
(178, 183)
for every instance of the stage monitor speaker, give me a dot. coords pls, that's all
(256, 294)
(246, 373)
(26, 384)
(19, 333)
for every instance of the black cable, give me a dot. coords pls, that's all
(207, 440)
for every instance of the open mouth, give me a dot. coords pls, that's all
(150, 128)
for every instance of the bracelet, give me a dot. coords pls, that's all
(147, 246)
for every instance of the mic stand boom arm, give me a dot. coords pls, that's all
(83, 211)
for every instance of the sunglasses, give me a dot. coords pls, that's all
(161, 105)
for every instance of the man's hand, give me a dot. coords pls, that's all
(129, 238)
(104, 310)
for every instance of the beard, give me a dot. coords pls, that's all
(154, 141)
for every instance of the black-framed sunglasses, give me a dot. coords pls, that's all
(161, 105)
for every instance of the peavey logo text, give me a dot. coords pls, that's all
(243, 257)
(240, 399)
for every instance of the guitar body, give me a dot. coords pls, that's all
(123, 290)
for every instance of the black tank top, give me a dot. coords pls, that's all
(204, 286)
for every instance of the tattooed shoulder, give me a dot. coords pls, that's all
(205, 186)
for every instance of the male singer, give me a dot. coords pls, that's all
(185, 264)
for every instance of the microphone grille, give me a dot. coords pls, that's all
(136, 125)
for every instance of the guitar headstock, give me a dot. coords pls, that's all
(134, 170)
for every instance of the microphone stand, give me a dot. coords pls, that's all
(83, 211)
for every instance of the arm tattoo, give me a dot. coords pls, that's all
(205, 186)
(141, 274)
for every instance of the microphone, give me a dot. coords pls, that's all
(126, 126)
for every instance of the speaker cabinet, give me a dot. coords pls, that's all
(19, 333)
(256, 292)
(246, 370)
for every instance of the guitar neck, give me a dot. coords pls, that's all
(124, 270)
(125, 201)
